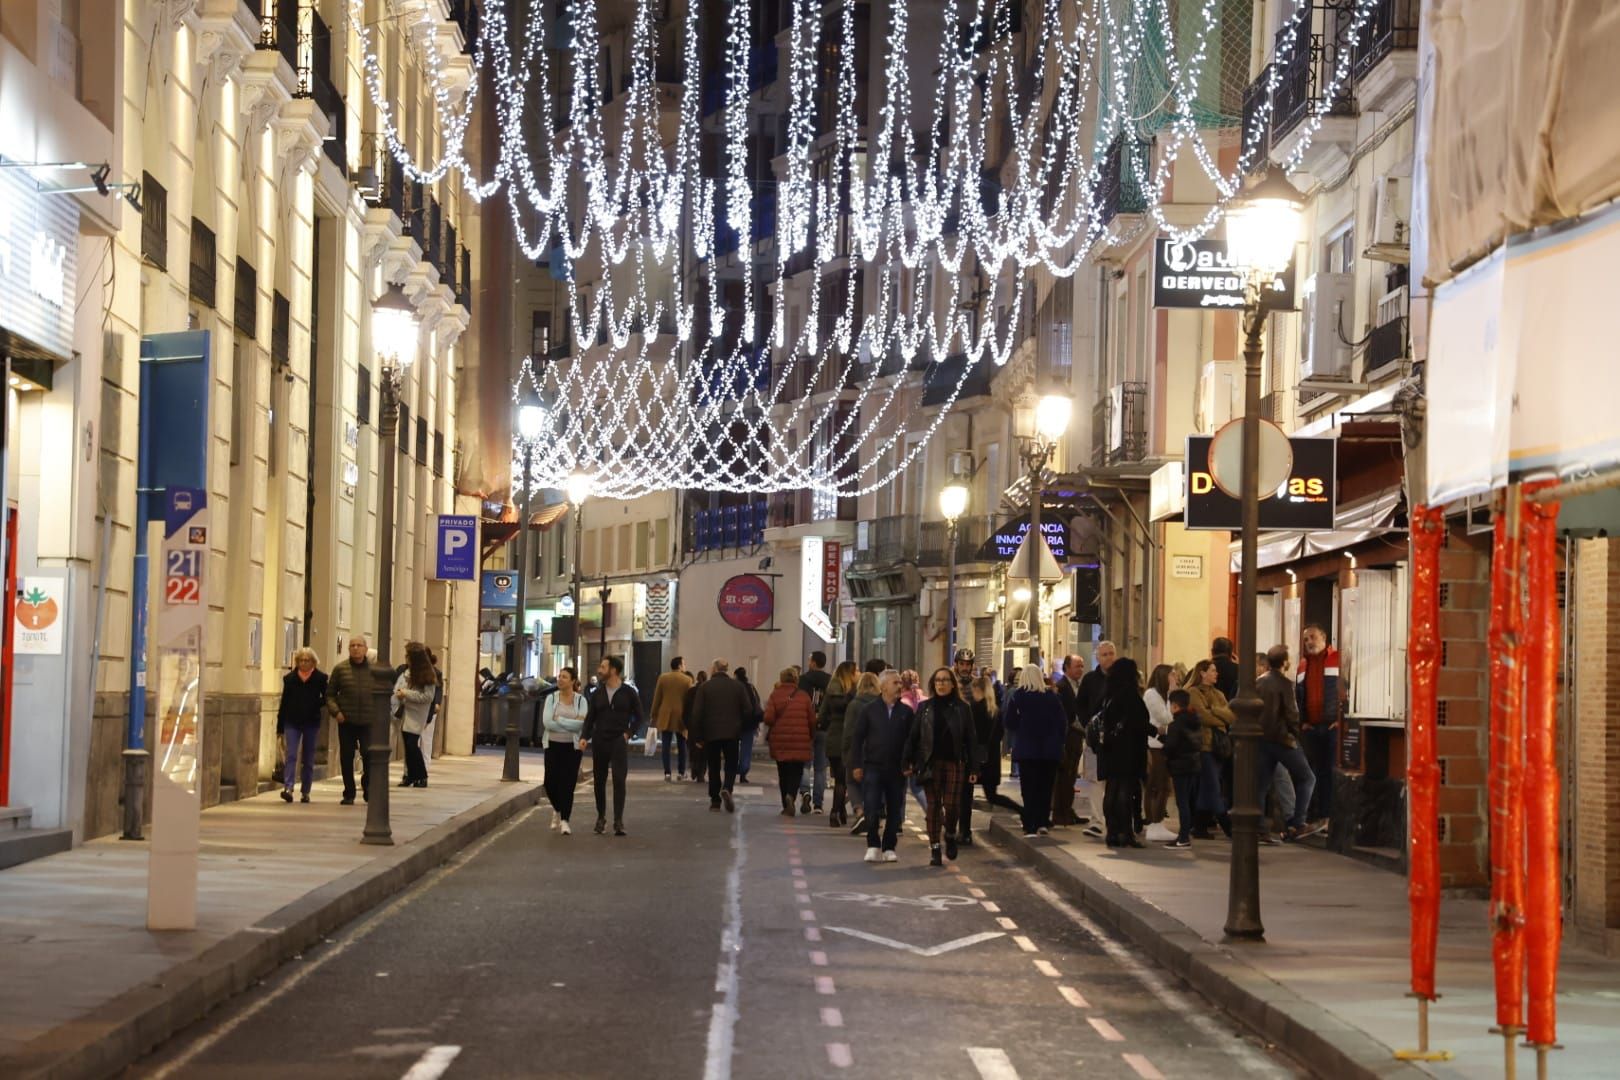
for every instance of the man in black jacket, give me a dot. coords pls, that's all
(1279, 743)
(877, 761)
(612, 715)
(721, 710)
(814, 681)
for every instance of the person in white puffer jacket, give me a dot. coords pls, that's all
(414, 694)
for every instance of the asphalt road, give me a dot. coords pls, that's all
(715, 946)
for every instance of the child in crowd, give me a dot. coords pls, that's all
(1183, 742)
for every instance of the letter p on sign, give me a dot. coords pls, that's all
(457, 548)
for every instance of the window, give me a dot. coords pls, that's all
(246, 308)
(624, 547)
(1339, 251)
(660, 552)
(202, 263)
(438, 453)
(421, 441)
(604, 559)
(280, 330)
(362, 402)
(587, 561)
(154, 222)
(540, 335)
(402, 433)
(643, 543)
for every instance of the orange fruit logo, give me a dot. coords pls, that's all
(36, 610)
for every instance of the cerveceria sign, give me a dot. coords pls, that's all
(1305, 501)
(1198, 274)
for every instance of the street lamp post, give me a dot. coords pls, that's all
(579, 489)
(1262, 229)
(1051, 421)
(953, 499)
(395, 330)
(530, 421)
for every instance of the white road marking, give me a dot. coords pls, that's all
(832, 1018)
(798, 871)
(990, 907)
(801, 897)
(807, 915)
(839, 1055)
(977, 894)
(1024, 943)
(930, 951)
(723, 1017)
(818, 958)
(992, 1063)
(1045, 967)
(1144, 1068)
(824, 985)
(1006, 923)
(812, 933)
(431, 1065)
(1072, 996)
(1105, 1029)
(1251, 1062)
(206, 1042)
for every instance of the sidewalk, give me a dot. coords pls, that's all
(88, 988)
(1329, 983)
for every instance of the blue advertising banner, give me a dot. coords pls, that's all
(499, 590)
(457, 548)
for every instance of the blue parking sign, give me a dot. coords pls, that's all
(457, 548)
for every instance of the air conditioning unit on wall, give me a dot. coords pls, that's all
(1326, 302)
(1391, 233)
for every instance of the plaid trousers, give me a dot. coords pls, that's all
(944, 788)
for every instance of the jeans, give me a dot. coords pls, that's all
(1282, 789)
(919, 794)
(883, 793)
(352, 738)
(840, 791)
(415, 766)
(300, 752)
(820, 770)
(788, 776)
(1186, 785)
(680, 741)
(1063, 811)
(1319, 743)
(722, 756)
(610, 755)
(1293, 759)
(1209, 785)
(944, 788)
(745, 754)
(1120, 807)
(562, 775)
(1035, 779)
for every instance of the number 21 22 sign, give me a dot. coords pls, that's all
(185, 553)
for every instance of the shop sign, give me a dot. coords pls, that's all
(832, 564)
(499, 590)
(746, 602)
(38, 616)
(812, 588)
(457, 547)
(1306, 501)
(1198, 274)
(1187, 566)
(1004, 543)
(39, 242)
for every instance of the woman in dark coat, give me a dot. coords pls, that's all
(1038, 724)
(987, 735)
(1122, 759)
(698, 760)
(945, 755)
(298, 720)
(830, 721)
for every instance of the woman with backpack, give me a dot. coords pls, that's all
(745, 751)
(1122, 753)
(790, 732)
(830, 721)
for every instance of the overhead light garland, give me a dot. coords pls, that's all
(626, 208)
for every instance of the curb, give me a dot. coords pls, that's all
(1306, 1031)
(121, 1031)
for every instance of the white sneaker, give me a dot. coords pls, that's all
(565, 830)
(555, 821)
(873, 855)
(889, 856)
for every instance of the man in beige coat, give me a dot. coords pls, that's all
(669, 698)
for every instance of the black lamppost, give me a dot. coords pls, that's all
(953, 499)
(1052, 413)
(579, 489)
(530, 422)
(1262, 230)
(395, 331)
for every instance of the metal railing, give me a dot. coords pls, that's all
(1392, 25)
(1386, 344)
(933, 548)
(1254, 127)
(1309, 60)
(1119, 425)
(889, 539)
(278, 29)
(1119, 191)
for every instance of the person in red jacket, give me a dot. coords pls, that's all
(1316, 690)
(790, 732)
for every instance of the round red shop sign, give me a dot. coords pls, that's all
(746, 602)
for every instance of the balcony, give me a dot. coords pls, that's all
(1119, 425)
(1306, 57)
(971, 532)
(1256, 127)
(1119, 191)
(315, 82)
(278, 29)
(1385, 61)
(888, 540)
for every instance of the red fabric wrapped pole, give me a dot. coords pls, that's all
(1423, 767)
(1543, 900)
(1507, 769)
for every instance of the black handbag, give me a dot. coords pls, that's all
(1220, 743)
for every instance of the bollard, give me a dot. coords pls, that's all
(135, 764)
(509, 771)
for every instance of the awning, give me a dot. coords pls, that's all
(1355, 522)
(547, 516)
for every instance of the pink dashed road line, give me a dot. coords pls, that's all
(839, 1055)
(1105, 1029)
(1144, 1068)
(824, 985)
(832, 1018)
(818, 958)
(812, 933)
(807, 915)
